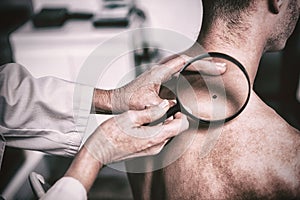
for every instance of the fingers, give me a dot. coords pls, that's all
(155, 100)
(152, 150)
(165, 71)
(207, 67)
(135, 140)
(151, 114)
(175, 126)
(171, 67)
(170, 128)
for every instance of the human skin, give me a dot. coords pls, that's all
(257, 155)
(144, 90)
(121, 144)
(126, 135)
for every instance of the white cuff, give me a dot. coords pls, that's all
(82, 104)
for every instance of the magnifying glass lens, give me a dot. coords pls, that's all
(210, 96)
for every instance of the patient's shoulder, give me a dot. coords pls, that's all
(261, 118)
(261, 131)
(256, 155)
(254, 151)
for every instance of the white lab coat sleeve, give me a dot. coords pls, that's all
(66, 188)
(46, 114)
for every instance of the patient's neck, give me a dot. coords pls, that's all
(247, 51)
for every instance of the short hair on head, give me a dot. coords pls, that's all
(230, 11)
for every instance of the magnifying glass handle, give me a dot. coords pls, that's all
(172, 111)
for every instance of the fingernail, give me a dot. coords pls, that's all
(164, 104)
(221, 66)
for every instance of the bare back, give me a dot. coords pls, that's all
(256, 156)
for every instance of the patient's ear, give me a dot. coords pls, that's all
(275, 5)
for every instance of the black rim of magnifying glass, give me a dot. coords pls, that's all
(216, 55)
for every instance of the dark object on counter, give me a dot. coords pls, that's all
(111, 22)
(12, 15)
(56, 17)
(114, 13)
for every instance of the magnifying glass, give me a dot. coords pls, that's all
(208, 98)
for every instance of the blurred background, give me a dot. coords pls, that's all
(54, 37)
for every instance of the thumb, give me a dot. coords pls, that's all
(153, 113)
(207, 67)
(172, 66)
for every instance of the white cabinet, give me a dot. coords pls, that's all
(61, 52)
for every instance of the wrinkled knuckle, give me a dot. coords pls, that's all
(152, 142)
(132, 116)
(182, 59)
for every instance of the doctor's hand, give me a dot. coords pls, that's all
(122, 137)
(144, 90)
(125, 136)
